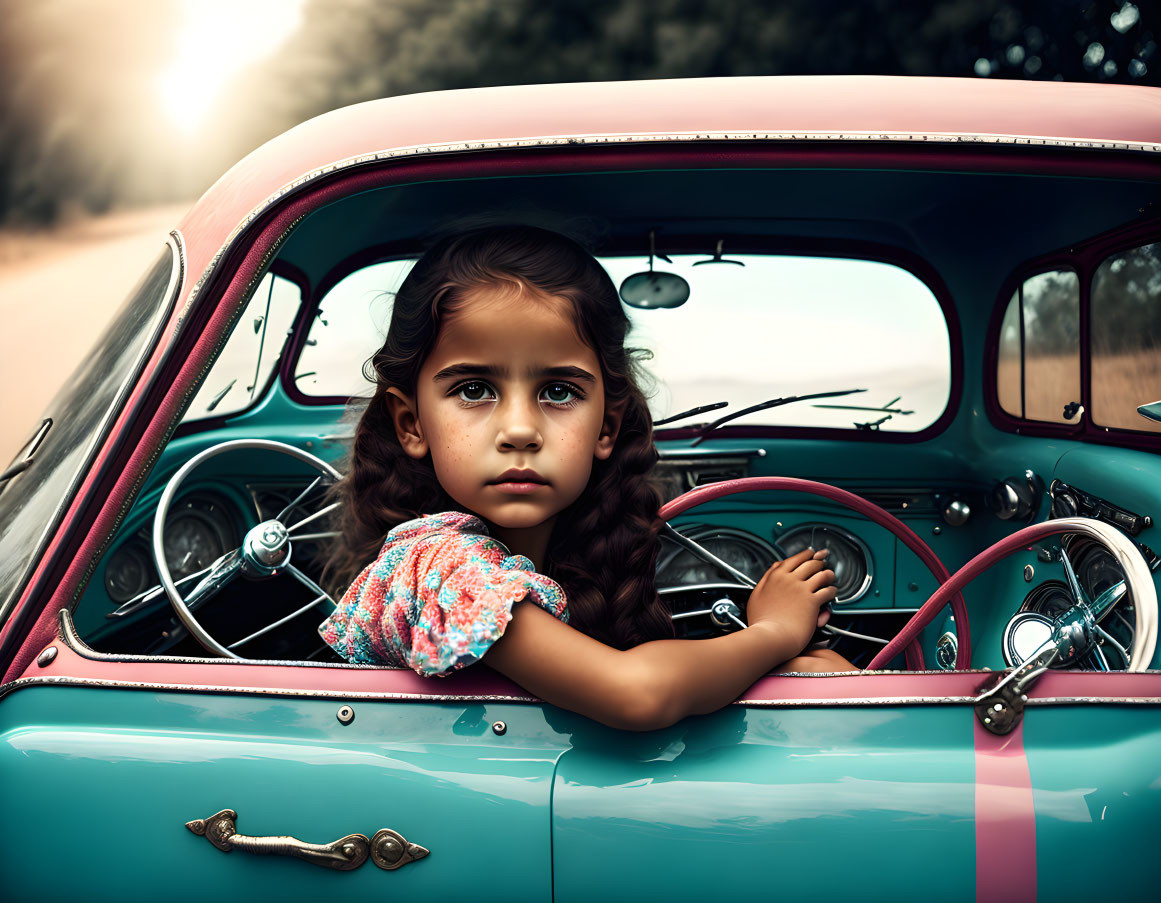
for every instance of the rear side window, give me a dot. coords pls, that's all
(1126, 338)
(1038, 365)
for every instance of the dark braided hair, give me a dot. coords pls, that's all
(603, 548)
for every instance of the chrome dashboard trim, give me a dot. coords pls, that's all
(675, 455)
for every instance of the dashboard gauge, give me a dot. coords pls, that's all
(128, 572)
(849, 558)
(197, 533)
(677, 566)
(1051, 598)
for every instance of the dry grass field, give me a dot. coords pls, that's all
(1119, 384)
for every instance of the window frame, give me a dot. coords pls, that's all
(1084, 259)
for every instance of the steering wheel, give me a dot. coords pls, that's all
(264, 553)
(1073, 632)
(872, 512)
(1077, 629)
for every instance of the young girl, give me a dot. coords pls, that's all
(507, 448)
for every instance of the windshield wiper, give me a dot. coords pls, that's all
(766, 405)
(884, 409)
(217, 399)
(30, 448)
(701, 409)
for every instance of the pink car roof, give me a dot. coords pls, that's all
(861, 108)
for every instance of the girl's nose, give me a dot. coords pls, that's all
(518, 429)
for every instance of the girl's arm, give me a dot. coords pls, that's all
(656, 684)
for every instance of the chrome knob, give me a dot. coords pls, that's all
(956, 513)
(1016, 498)
(1064, 504)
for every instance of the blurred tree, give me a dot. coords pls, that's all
(1052, 314)
(355, 50)
(1126, 302)
(76, 115)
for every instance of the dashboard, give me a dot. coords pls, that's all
(881, 583)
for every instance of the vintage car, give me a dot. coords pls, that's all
(915, 320)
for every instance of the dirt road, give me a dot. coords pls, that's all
(57, 291)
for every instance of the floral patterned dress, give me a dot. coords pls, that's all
(438, 596)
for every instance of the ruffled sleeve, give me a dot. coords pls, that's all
(438, 596)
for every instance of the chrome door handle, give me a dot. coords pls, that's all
(388, 849)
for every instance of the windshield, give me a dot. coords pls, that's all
(758, 328)
(46, 472)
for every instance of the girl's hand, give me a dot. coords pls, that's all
(790, 596)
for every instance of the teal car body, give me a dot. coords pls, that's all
(123, 741)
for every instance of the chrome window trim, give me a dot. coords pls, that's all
(363, 695)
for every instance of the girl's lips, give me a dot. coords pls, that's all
(519, 481)
(519, 488)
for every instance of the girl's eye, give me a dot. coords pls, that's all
(474, 391)
(560, 393)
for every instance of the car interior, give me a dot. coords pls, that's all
(966, 350)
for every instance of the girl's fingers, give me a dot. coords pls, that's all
(798, 558)
(823, 616)
(822, 579)
(809, 568)
(826, 594)
(821, 554)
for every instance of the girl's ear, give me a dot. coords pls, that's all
(610, 427)
(405, 418)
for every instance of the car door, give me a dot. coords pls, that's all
(105, 762)
(869, 787)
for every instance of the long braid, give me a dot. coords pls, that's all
(604, 552)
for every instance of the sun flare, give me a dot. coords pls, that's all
(218, 39)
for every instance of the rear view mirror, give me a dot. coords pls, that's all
(652, 290)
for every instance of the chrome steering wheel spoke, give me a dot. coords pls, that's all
(265, 551)
(221, 572)
(707, 556)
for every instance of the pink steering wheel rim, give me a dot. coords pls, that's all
(874, 513)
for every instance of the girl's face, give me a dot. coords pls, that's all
(511, 405)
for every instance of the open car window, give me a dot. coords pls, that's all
(754, 327)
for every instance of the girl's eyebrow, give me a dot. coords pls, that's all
(457, 371)
(569, 373)
(460, 371)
